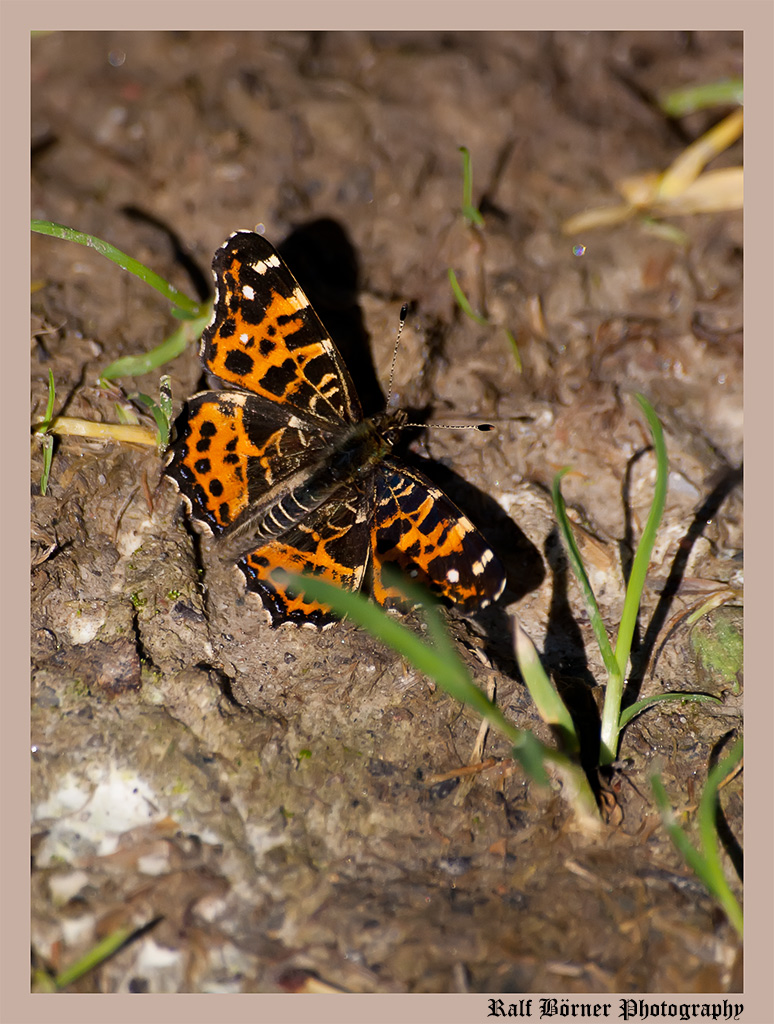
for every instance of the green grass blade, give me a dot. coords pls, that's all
(94, 957)
(48, 458)
(707, 819)
(462, 300)
(579, 569)
(160, 416)
(532, 755)
(50, 401)
(169, 349)
(550, 705)
(165, 396)
(686, 101)
(448, 672)
(47, 439)
(642, 705)
(126, 416)
(442, 644)
(177, 298)
(381, 625)
(514, 348)
(705, 863)
(687, 850)
(469, 211)
(440, 663)
(641, 561)
(611, 711)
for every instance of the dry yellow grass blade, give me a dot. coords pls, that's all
(70, 426)
(681, 189)
(712, 192)
(692, 161)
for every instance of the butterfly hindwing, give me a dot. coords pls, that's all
(419, 530)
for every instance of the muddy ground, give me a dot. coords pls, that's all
(281, 807)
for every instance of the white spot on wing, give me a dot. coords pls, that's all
(298, 300)
(262, 266)
(248, 292)
(461, 528)
(479, 566)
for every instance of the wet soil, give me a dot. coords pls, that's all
(286, 808)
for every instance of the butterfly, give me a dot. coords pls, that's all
(285, 471)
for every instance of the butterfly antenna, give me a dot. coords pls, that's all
(403, 315)
(443, 426)
(483, 427)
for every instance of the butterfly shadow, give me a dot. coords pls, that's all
(325, 263)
